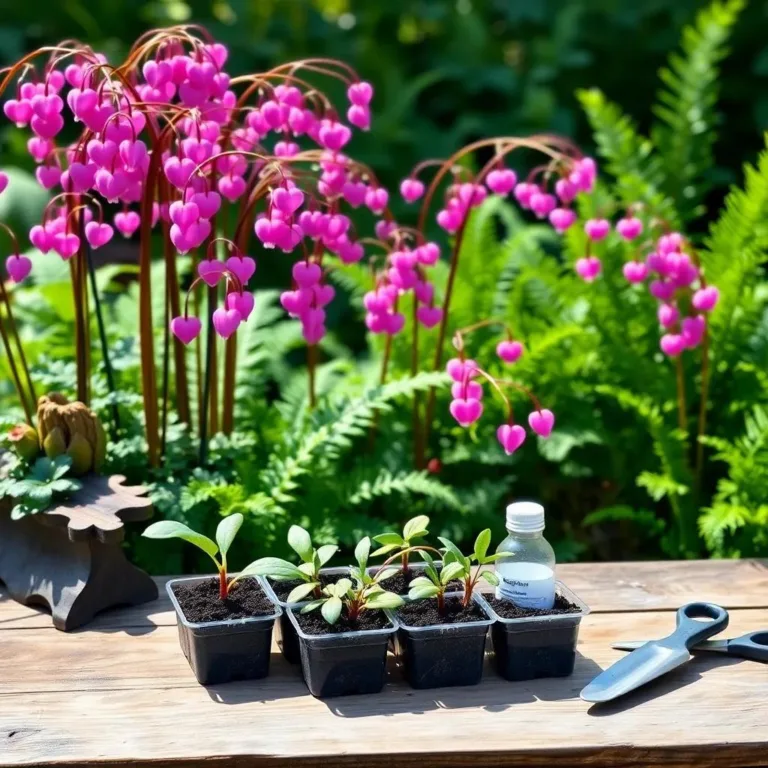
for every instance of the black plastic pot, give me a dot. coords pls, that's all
(343, 664)
(537, 646)
(287, 639)
(223, 651)
(443, 655)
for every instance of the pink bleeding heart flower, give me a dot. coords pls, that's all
(360, 117)
(394, 323)
(501, 181)
(232, 187)
(306, 274)
(692, 330)
(66, 245)
(287, 200)
(208, 203)
(466, 411)
(662, 290)
(376, 198)
(428, 254)
(242, 266)
(98, 234)
(48, 176)
(524, 192)
(226, 321)
(18, 267)
(186, 329)
(333, 135)
(241, 302)
(672, 344)
(354, 192)
(81, 176)
(323, 294)
(542, 203)
(597, 229)
(668, 315)
(562, 219)
(429, 317)
(542, 422)
(588, 268)
(629, 228)
(184, 214)
(511, 437)
(296, 302)
(3, 182)
(509, 351)
(211, 271)
(360, 93)
(635, 271)
(473, 390)
(411, 190)
(459, 370)
(670, 243)
(127, 222)
(566, 190)
(705, 299)
(40, 238)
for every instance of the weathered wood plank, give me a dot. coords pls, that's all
(88, 698)
(605, 587)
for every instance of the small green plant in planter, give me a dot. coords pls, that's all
(393, 544)
(343, 635)
(42, 484)
(441, 638)
(225, 623)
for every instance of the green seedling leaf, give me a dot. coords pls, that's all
(386, 573)
(423, 592)
(497, 556)
(226, 532)
(300, 542)
(362, 552)
(426, 557)
(325, 553)
(313, 606)
(385, 550)
(273, 567)
(482, 542)
(308, 569)
(420, 581)
(170, 529)
(61, 466)
(490, 577)
(331, 609)
(452, 571)
(416, 527)
(299, 593)
(383, 600)
(451, 548)
(389, 539)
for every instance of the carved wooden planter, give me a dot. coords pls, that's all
(70, 557)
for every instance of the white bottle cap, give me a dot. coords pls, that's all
(525, 517)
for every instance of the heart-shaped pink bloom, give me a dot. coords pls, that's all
(333, 135)
(178, 170)
(48, 176)
(184, 214)
(354, 192)
(662, 290)
(509, 351)
(411, 190)
(360, 93)
(629, 228)
(306, 274)
(359, 116)
(472, 391)
(566, 190)
(102, 152)
(501, 181)
(242, 266)
(635, 271)
(588, 268)
(511, 437)
(312, 333)
(242, 302)
(18, 111)
(466, 411)
(211, 271)
(597, 229)
(287, 200)
(226, 321)
(81, 176)
(127, 222)
(40, 238)
(542, 203)
(98, 234)
(542, 422)
(668, 315)
(669, 243)
(157, 73)
(296, 302)
(562, 219)
(458, 370)
(394, 323)
(208, 203)
(376, 198)
(705, 299)
(424, 291)
(47, 107)
(323, 294)
(692, 330)
(429, 317)
(133, 153)
(66, 245)
(264, 230)
(376, 302)
(18, 267)
(672, 344)
(524, 192)
(47, 128)
(231, 187)
(185, 329)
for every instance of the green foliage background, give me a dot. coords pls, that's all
(618, 476)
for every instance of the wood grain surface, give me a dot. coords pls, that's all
(120, 693)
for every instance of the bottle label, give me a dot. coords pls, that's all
(525, 586)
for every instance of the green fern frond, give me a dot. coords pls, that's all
(385, 483)
(686, 106)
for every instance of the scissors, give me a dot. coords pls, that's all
(752, 645)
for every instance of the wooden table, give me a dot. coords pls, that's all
(120, 693)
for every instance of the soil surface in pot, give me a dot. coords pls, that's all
(200, 602)
(313, 623)
(284, 588)
(424, 613)
(400, 582)
(508, 610)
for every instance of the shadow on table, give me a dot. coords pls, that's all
(284, 682)
(494, 694)
(681, 677)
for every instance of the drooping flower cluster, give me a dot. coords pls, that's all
(467, 391)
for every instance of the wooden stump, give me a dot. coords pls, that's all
(70, 559)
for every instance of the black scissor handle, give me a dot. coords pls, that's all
(753, 645)
(690, 632)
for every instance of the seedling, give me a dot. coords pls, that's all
(312, 560)
(216, 550)
(456, 565)
(415, 528)
(362, 592)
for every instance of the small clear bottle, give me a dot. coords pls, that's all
(527, 576)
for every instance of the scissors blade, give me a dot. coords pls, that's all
(720, 646)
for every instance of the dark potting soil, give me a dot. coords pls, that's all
(424, 613)
(284, 588)
(399, 583)
(200, 602)
(508, 610)
(313, 623)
